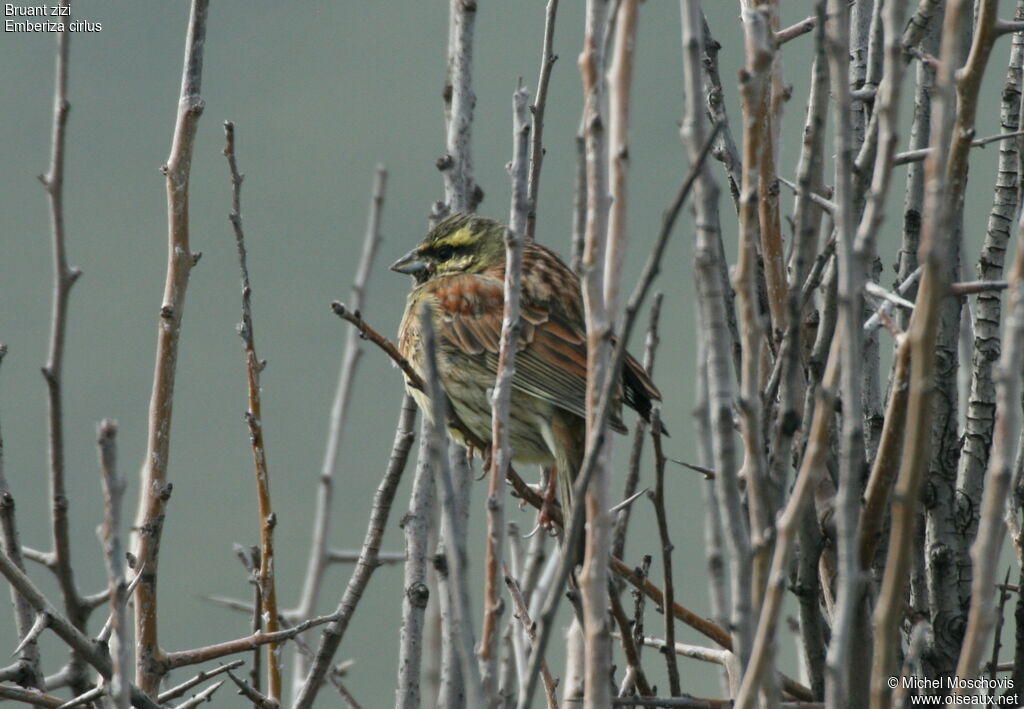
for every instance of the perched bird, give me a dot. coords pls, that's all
(460, 270)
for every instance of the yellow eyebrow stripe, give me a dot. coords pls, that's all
(462, 237)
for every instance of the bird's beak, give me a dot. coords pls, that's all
(410, 264)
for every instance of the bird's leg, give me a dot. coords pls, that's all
(545, 518)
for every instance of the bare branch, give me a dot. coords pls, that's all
(208, 653)
(34, 697)
(260, 701)
(523, 614)
(796, 30)
(385, 495)
(501, 398)
(113, 493)
(180, 259)
(319, 555)
(178, 690)
(64, 277)
(254, 419)
(457, 556)
(991, 529)
(841, 691)
(910, 156)
(812, 467)
(416, 525)
(205, 696)
(26, 670)
(537, 151)
(461, 193)
(713, 299)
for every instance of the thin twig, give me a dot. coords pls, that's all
(178, 690)
(205, 696)
(208, 653)
(909, 156)
(319, 555)
(537, 151)
(259, 700)
(254, 419)
(385, 495)
(666, 549)
(365, 331)
(523, 614)
(623, 510)
(636, 675)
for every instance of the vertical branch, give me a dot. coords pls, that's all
(334, 632)
(981, 404)
(457, 557)
(712, 299)
(986, 548)
(725, 149)
(10, 546)
(113, 492)
(926, 32)
(501, 398)
(461, 193)
(594, 576)
(416, 525)
(620, 86)
(254, 419)
(793, 405)
(537, 151)
(666, 552)
(760, 670)
(64, 277)
(948, 537)
(850, 269)
(887, 116)
(886, 120)
(755, 85)
(317, 562)
(769, 112)
(718, 593)
(180, 259)
(639, 433)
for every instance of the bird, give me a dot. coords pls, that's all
(459, 273)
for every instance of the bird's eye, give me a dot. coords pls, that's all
(444, 253)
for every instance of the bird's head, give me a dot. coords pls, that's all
(460, 243)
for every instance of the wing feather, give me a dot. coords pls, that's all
(551, 359)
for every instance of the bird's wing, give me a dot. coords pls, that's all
(551, 359)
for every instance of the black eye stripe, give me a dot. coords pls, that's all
(444, 252)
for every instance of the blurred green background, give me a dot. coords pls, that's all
(320, 93)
